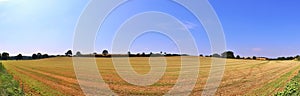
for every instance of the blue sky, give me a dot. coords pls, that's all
(252, 27)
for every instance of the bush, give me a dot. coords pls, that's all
(292, 88)
(9, 86)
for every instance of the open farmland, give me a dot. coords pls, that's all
(56, 76)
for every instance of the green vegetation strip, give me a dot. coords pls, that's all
(292, 88)
(36, 87)
(278, 83)
(9, 86)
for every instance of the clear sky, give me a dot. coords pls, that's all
(268, 28)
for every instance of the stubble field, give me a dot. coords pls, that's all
(56, 76)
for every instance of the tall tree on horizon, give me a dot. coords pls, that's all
(5, 56)
(238, 57)
(69, 53)
(39, 55)
(19, 57)
(104, 52)
(78, 53)
(34, 56)
(228, 54)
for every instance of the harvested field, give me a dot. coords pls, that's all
(56, 76)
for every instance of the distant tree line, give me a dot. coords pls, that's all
(5, 56)
(230, 55)
(105, 53)
(40, 56)
(227, 54)
(151, 54)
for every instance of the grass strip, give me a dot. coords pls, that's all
(9, 86)
(35, 87)
(292, 88)
(278, 83)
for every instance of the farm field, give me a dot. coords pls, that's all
(56, 76)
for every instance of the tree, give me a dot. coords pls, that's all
(69, 53)
(254, 58)
(19, 57)
(290, 58)
(201, 55)
(216, 55)
(34, 56)
(238, 57)
(143, 54)
(5, 56)
(298, 58)
(79, 54)
(45, 56)
(228, 54)
(281, 58)
(39, 55)
(104, 52)
(0, 56)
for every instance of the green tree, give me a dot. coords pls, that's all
(216, 55)
(19, 57)
(254, 57)
(79, 53)
(143, 54)
(34, 56)
(238, 57)
(45, 56)
(104, 52)
(39, 55)
(69, 53)
(5, 56)
(228, 54)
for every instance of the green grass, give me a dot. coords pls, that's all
(292, 88)
(38, 87)
(9, 86)
(278, 83)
